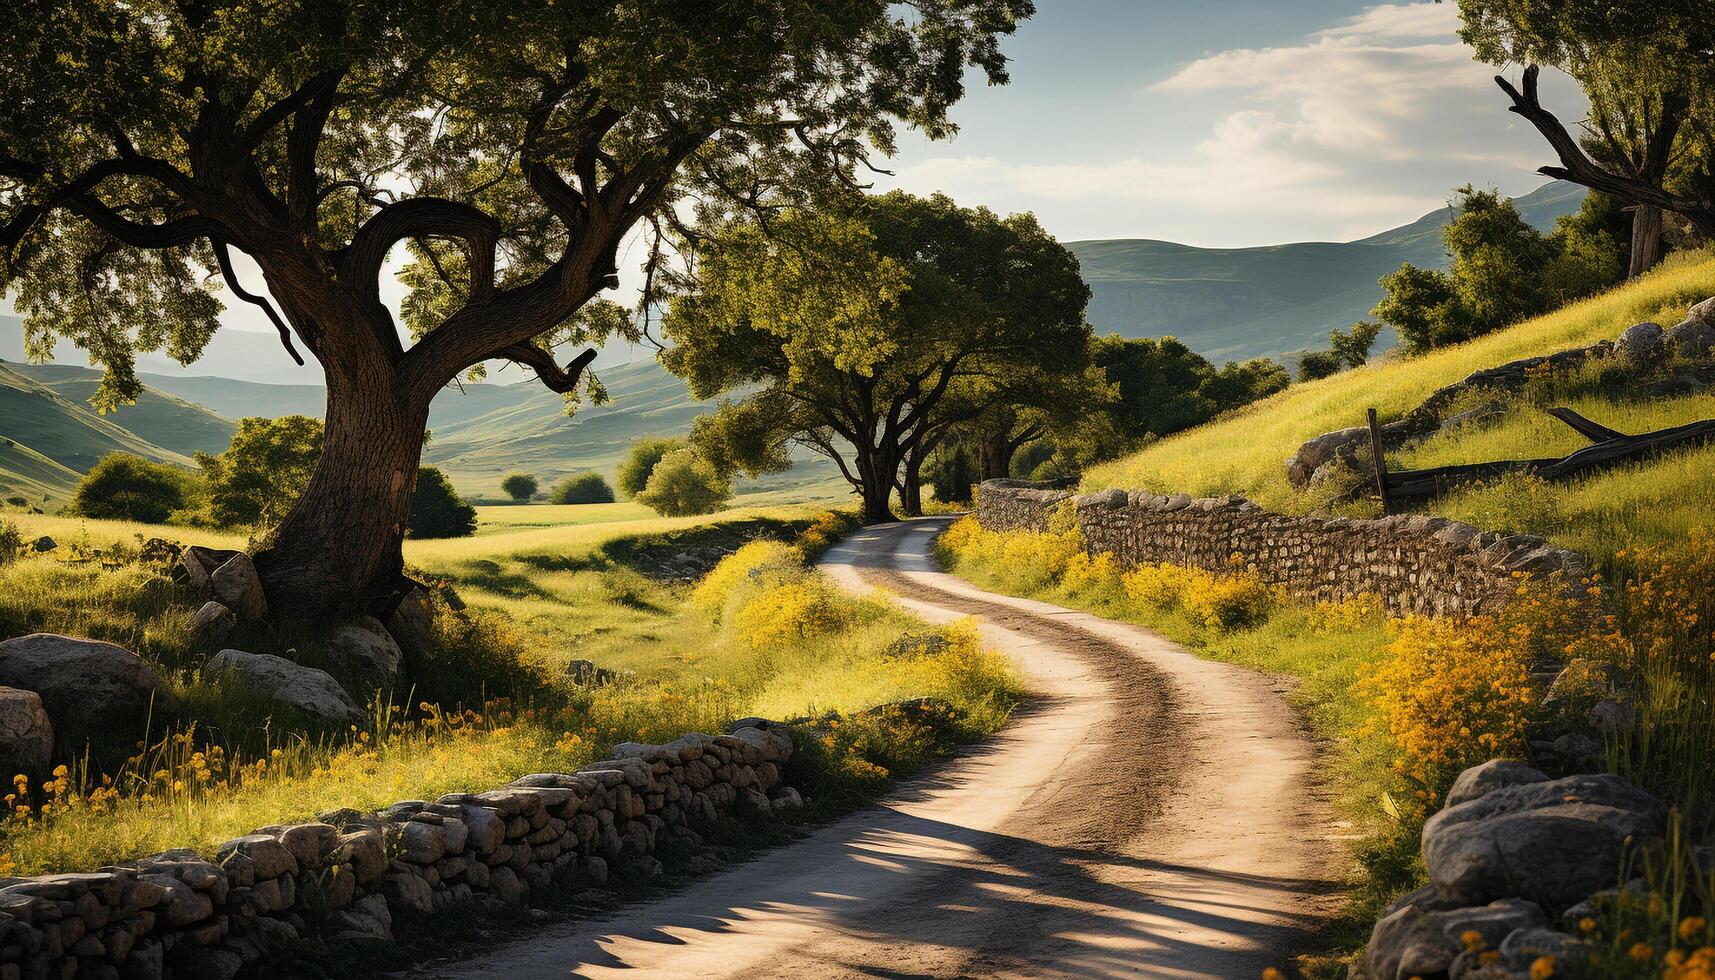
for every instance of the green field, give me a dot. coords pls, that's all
(1245, 452)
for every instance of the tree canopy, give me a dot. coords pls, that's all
(508, 148)
(856, 323)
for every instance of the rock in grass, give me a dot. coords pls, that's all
(238, 587)
(1421, 936)
(1553, 842)
(85, 685)
(212, 623)
(26, 734)
(1490, 776)
(303, 689)
(365, 656)
(1692, 337)
(1640, 342)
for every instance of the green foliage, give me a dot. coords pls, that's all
(743, 436)
(1240, 383)
(11, 541)
(1316, 364)
(1352, 345)
(584, 488)
(1503, 271)
(437, 511)
(634, 472)
(263, 472)
(130, 488)
(952, 473)
(522, 486)
(684, 483)
(861, 324)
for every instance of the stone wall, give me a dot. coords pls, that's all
(1414, 564)
(351, 875)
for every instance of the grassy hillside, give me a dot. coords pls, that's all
(67, 432)
(161, 418)
(1244, 452)
(1245, 302)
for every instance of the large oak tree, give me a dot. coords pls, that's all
(507, 147)
(847, 330)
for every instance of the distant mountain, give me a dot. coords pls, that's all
(1235, 303)
(170, 422)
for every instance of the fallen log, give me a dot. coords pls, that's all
(1608, 447)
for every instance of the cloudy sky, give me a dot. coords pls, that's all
(1237, 122)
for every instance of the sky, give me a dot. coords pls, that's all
(1218, 123)
(1233, 122)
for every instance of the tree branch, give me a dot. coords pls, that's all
(224, 258)
(422, 217)
(553, 377)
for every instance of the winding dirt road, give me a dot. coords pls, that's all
(1148, 815)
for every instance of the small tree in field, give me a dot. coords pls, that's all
(683, 484)
(505, 148)
(519, 486)
(437, 510)
(633, 474)
(264, 470)
(124, 487)
(584, 488)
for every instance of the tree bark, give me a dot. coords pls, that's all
(1646, 239)
(995, 452)
(338, 550)
(911, 487)
(876, 471)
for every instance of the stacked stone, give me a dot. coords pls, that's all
(1414, 564)
(350, 875)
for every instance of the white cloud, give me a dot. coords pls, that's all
(1358, 127)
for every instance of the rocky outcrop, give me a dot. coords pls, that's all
(1413, 564)
(26, 733)
(305, 690)
(85, 685)
(1509, 844)
(357, 876)
(238, 587)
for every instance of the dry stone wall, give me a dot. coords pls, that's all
(351, 875)
(1412, 563)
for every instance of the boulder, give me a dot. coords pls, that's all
(26, 734)
(213, 623)
(44, 543)
(238, 587)
(365, 656)
(1490, 776)
(85, 685)
(1703, 312)
(1421, 936)
(1553, 842)
(1311, 456)
(1692, 338)
(1640, 342)
(412, 623)
(199, 563)
(303, 689)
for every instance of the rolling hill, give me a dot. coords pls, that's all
(1236, 303)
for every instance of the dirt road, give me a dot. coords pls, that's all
(1148, 815)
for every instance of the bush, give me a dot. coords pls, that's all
(124, 487)
(683, 483)
(584, 488)
(437, 511)
(11, 542)
(733, 571)
(521, 487)
(263, 471)
(633, 475)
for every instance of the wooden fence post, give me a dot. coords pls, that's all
(1381, 463)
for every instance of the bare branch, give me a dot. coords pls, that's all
(224, 257)
(553, 377)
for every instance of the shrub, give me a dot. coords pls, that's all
(733, 571)
(797, 609)
(125, 487)
(1230, 601)
(1087, 577)
(263, 471)
(1450, 694)
(437, 511)
(682, 484)
(583, 488)
(634, 472)
(828, 527)
(522, 486)
(11, 542)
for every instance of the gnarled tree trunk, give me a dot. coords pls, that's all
(339, 547)
(1646, 239)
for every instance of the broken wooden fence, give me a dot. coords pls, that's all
(1607, 448)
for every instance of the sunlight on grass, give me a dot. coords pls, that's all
(1245, 452)
(501, 518)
